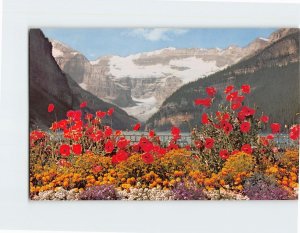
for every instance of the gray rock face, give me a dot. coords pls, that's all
(48, 84)
(146, 79)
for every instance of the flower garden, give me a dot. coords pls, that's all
(229, 157)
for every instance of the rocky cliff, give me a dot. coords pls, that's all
(48, 84)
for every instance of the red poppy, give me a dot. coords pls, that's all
(108, 131)
(122, 143)
(236, 105)
(76, 148)
(172, 146)
(294, 132)
(118, 132)
(228, 89)
(64, 150)
(264, 141)
(70, 114)
(110, 111)
(147, 146)
(209, 143)
(188, 147)
(77, 115)
(88, 116)
(147, 158)
(175, 131)
(161, 151)
(97, 136)
(227, 127)
(239, 98)
(241, 116)
(247, 111)
(121, 156)
(137, 127)
(270, 137)
(204, 119)
(100, 114)
(245, 127)
(232, 96)
(264, 119)
(246, 88)
(247, 148)
(50, 108)
(83, 104)
(205, 102)
(224, 154)
(97, 169)
(275, 127)
(211, 91)
(109, 146)
(151, 133)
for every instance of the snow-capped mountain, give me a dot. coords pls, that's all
(139, 83)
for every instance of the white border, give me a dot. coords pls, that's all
(17, 213)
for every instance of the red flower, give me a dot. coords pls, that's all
(120, 156)
(122, 143)
(147, 158)
(275, 127)
(88, 116)
(246, 88)
(188, 147)
(83, 104)
(245, 127)
(247, 111)
(205, 102)
(228, 89)
(247, 148)
(175, 131)
(108, 131)
(70, 114)
(270, 137)
(224, 154)
(241, 116)
(109, 146)
(100, 114)
(209, 143)
(205, 119)
(147, 146)
(264, 119)
(64, 150)
(211, 91)
(50, 108)
(110, 111)
(294, 132)
(76, 148)
(151, 133)
(236, 105)
(97, 169)
(227, 127)
(232, 96)
(137, 127)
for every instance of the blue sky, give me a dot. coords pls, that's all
(96, 42)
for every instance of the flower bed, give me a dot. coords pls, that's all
(82, 159)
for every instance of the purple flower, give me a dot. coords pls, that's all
(103, 192)
(259, 187)
(189, 191)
